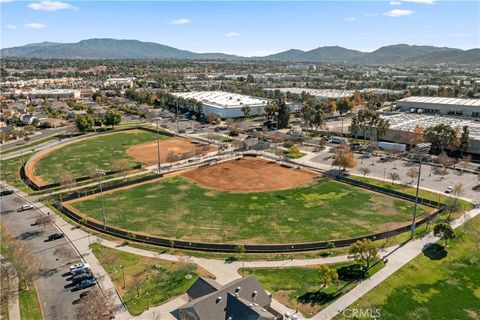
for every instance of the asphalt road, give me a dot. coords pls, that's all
(54, 290)
(42, 134)
(430, 178)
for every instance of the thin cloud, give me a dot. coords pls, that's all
(421, 1)
(11, 27)
(395, 3)
(5, 1)
(372, 14)
(34, 25)
(231, 34)
(179, 22)
(51, 6)
(349, 18)
(399, 13)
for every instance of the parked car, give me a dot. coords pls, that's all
(449, 189)
(26, 207)
(86, 284)
(81, 277)
(80, 270)
(79, 265)
(55, 236)
(6, 192)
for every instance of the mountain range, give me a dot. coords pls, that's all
(134, 49)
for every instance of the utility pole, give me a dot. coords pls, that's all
(158, 150)
(176, 118)
(103, 208)
(422, 148)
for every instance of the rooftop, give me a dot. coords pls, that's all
(442, 100)
(408, 122)
(222, 99)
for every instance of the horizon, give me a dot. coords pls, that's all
(241, 28)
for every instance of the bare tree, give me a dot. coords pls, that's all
(465, 163)
(43, 221)
(121, 166)
(96, 306)
(6, 286)
(25, 262)
(66, 179)
(445, 161)
(412, 173)
(364, 170)
(394, 176)
(65, 252)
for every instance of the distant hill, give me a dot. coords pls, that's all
(134, 49)
(322, 54)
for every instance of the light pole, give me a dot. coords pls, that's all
(123, 276)
(276, 113)
(384, 171)
(104, 217)
(176, 118)
(158, 149)
(422, 148)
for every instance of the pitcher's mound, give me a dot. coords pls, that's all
(250, 175)
(171, 150)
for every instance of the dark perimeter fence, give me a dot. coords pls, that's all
(257, 248)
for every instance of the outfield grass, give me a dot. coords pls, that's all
(178, 208)
(148, 282)
(302, 286)
(442, 289)
(102, 151)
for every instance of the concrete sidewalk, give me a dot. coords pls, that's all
(13, 301)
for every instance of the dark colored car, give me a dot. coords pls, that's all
(74, 272)
(81, 277)
(55, 236)
(86, 284)
(6, 192)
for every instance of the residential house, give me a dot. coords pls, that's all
(243, 298)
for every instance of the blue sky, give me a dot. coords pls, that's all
(246, 28)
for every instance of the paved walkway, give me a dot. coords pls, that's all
(13, 301)
(396, 260)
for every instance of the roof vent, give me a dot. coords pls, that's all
(254, 293)
(218, 299)
(238, 289)
(250, 305)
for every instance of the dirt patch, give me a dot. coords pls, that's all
(250, 175)
(171, 150)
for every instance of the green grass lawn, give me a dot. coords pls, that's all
(303, 285)
(410, 190)
(148, 282)
(294, 155)
(29, 304)
(440, 289)
(178, 208)
(10, 173)
(102, 151)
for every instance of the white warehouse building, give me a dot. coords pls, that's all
(226, 104)
(440, 105)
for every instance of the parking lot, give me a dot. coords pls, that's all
(430, 177)
(55, 292)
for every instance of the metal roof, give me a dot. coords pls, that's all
(442, 100)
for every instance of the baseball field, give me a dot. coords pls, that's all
(135, 146)
(248, 201)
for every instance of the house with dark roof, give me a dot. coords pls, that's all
(241, 299)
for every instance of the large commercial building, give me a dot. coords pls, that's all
(226, 104)
(440, 105)
(402, 124)
(322, 94)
